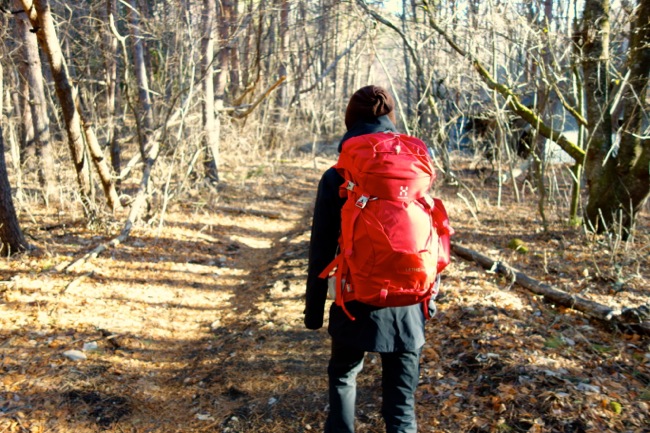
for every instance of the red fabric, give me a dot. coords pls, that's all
(441, 223)
(390, 227)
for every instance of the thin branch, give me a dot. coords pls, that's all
(260, 99)
(407, 41)
(527, 114)
(579, 117)
(333, 64)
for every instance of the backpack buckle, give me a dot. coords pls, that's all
(362, 202)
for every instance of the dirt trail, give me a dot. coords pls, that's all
(244, 370)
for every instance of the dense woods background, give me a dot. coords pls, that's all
(172, 118)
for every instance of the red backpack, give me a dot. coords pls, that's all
(394, 236)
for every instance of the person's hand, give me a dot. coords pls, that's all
(432, 308)
(312, 322)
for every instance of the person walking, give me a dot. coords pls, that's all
(396, 333)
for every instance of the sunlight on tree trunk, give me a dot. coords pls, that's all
(210, 133)
(619, 184)
(40, 16)
(145, 111)
(37, 105)
(112, 89)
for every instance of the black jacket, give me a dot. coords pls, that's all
(376, 329)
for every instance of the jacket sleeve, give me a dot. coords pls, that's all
(326, 225)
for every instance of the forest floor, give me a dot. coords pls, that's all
(194, 324)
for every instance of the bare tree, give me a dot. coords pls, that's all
(237, 21)
(619, 184)
(40, 16)
(11, 236)
(283, 47)
(144, 115)
(112, 88)
(210, 132)
(37, 107)
(222, 25)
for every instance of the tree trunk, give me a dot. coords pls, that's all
(27, 145)
(41, 18)
(407, 66)
(99, 161)
(110, 59)
(28, 157)
(235, 63)
(210, 136)
(595, 67)
(11, 236)
(282, 95)
(248, 48)
(33, 74)
(619, 185)
(575, 216)
(145, 113)
(211, 159)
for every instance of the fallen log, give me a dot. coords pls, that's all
(256, 212)
(628, 318)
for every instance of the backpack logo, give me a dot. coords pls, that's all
(403, 192)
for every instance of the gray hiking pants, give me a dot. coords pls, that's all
(400, 375)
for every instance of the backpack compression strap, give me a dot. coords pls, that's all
(341, 265)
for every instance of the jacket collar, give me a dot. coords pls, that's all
(379, 124)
